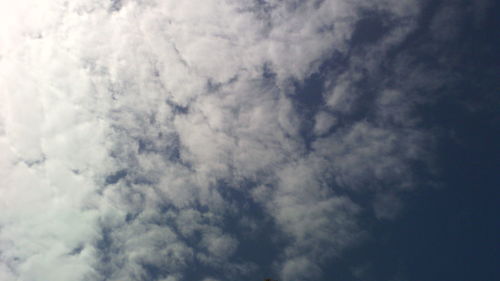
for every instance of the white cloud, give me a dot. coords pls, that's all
(123, 125)
(300, 269)
(323, 122)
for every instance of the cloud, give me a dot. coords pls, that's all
(300, 269)
(323, 122)
(132, 133)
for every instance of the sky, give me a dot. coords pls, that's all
(217, 140)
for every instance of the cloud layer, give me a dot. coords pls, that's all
(157, 140)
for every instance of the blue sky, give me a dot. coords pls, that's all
(242, 140)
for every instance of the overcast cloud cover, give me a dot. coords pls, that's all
(205, 140)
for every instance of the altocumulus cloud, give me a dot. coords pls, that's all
(151, 140)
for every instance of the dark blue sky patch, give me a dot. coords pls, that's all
(130, 217)
(106, 250)
(267, 73)
(177, 108)
(369, 29)
(309, 96)
(77, 250)
(167, 145)
(145, 145)
(117, 176)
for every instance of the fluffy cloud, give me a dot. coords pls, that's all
(134, 133)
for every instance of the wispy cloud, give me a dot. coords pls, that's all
(133, 133)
